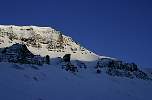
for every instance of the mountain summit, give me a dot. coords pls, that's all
(44, 41)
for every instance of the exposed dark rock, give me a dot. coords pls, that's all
(98, 71)
(67, 57)
(121, 69)
(47, 59)
(70, 67)
(19, 53)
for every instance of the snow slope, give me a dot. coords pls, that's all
(49, 82)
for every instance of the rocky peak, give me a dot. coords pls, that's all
(44, 41)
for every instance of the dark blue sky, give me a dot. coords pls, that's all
(117, 28)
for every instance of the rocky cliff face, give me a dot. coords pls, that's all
(44, 41)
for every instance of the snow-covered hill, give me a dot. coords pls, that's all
(24, 82)
(40, 63)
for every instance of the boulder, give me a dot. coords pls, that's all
(66, 57)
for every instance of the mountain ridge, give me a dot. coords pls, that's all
(43, 38)
(39, 44)
(40, 63)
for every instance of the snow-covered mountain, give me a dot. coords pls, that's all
(40, 63)
(44, 41)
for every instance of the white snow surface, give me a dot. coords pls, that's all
(51, 82)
